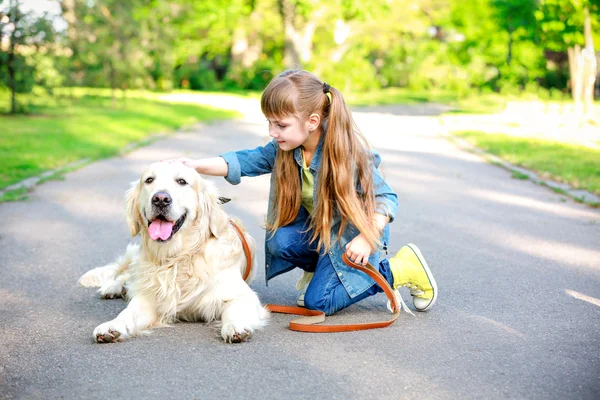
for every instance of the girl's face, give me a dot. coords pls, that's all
(289, 132)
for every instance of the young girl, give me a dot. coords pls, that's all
(327, 197)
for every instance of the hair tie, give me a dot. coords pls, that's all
(326, 88)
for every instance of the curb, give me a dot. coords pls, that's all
(579, 195)
(29, 183)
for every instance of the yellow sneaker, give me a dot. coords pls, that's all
(409, 269)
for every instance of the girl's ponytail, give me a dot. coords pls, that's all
(345, 180)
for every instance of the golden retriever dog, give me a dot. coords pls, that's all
(188, 266)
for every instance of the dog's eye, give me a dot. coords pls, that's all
(181, 182)
(149, 180)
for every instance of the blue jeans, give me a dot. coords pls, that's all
(325, 291)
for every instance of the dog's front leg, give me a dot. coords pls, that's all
(241, 317)
(112, 278)
(139, 315)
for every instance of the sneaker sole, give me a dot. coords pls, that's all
(429, 276)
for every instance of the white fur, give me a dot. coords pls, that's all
(112, 278)
(194, 276)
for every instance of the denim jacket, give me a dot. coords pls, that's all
(261, 160)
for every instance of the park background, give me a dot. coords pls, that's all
(87, 79)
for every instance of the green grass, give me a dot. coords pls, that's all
(14, 195)
(520, 175)
(81, 123)
(62, 129)
(577, 166)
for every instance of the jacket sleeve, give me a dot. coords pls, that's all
(386, 198)
(247, 162)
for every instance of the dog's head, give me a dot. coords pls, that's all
(171, 198)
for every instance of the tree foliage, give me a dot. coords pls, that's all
(354, 44)
(24, 39)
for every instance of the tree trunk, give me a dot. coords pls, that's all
(69, 15)
(574, 72)
(291, 58)
(113, 84)
(341, 33)
(298, 41)
(582, 70)
(247, 43)
(590, 67)
(12, 81)
(11, 77)
(510, 45)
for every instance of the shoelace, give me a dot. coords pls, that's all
(400, 300)
(414, 289)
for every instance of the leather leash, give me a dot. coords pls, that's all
(310, 318)
(247, 252)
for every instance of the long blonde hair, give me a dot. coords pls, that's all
(345, 166)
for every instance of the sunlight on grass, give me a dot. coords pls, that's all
(488, 103)
(472, 102)
(65, 130)
(78, 123)
(578, 166)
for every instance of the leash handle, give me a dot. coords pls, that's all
(311, 320)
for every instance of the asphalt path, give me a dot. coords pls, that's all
(517, 265)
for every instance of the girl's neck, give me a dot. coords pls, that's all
(310, 145)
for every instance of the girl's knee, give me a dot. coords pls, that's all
(314, 303)
(318, 303)
(278, 244)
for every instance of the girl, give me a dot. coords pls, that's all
(327, 197)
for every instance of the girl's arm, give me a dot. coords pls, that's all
(385, 197)
(381, 221)
(359, 249)
(235, 164)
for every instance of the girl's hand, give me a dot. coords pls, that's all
(188, 162)
(358, 250)
(215, 166)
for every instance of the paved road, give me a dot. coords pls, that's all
(518, 268)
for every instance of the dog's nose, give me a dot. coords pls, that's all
(161, 199)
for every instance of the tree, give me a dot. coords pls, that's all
(561, 27)
(517, 18)
(121, 44)
(583, 68)
(26, 34)
(561, 22)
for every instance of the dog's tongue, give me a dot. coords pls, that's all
(160, 229)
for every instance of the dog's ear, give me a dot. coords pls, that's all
(132, 209)
(217, 218)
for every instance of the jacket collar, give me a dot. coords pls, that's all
(316, 160)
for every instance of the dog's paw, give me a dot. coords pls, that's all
(90, 279)
(112, 290)
(98, 276)
(236, 333)
(110, 332)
